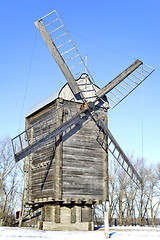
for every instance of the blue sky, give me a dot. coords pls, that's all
(112, 34)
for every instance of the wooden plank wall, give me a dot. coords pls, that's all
(83, 163)
(75, 168)
(42, 164)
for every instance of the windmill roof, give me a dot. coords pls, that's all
(64, 93)
(43, 103)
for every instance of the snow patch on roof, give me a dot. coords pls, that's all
(43, 103)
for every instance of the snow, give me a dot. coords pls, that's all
(119, 233)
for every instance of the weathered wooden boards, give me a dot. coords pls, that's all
(42, 162)
(83, 165)
(68, 174)
(72, 166)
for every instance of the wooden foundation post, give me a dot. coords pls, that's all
(106, 220)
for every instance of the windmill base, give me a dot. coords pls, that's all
(66, 218)
(50, 226)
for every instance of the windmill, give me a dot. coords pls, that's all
(67, 137)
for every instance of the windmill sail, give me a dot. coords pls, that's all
(116, 150)
(121, 86)
(62, 49)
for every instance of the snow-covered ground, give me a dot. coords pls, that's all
(132, 233)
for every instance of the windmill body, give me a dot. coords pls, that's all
(68, 175)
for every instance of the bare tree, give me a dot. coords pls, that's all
(130, 204)
(154, 193)
(113, 187)
(11, 179)
(142, 198)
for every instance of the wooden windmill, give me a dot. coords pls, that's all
(67, 138)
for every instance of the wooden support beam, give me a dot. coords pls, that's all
(105, 165)
(58, 155)
(73, 214)
(78, 201)
(88, 201)
(32, 148)
(118, 79)
(30, 171)
(57, 214)
(57, 56)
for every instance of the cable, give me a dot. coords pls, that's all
(142, 144)
(101, 45)
(142, 121)
(28, 76)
